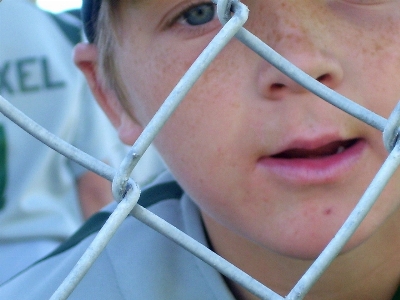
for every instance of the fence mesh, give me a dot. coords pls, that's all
(233, 16)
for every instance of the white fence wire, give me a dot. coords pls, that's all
(233, 15)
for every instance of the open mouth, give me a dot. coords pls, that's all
(330, 149)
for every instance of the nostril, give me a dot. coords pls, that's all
(277, 86)
(324, 78)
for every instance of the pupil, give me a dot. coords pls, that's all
(200, 14)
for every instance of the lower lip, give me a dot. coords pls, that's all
(315, 170)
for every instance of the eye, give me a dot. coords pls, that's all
(199, 14)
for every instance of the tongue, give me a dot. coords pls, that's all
(326, 150)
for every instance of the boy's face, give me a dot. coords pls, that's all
(259, 154)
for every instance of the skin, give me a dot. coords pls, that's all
(269, 220)
(94, 193)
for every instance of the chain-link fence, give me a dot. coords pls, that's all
(233, 15)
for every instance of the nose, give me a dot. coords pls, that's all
(274, 85)
(298, 41)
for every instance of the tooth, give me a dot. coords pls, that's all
(340, 150)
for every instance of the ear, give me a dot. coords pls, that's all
(86, 58)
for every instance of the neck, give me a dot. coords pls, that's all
(369, 271)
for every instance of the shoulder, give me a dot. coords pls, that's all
(165, 188)
(137, 261)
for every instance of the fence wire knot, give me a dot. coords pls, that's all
(391, 131)
(225, 9)
(122, 183)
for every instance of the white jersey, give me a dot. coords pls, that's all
(37, 75)
(138, 263)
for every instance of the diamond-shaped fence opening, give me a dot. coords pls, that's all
(233, 15)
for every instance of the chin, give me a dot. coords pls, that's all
(310, 248)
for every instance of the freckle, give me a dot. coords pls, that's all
(328, 211)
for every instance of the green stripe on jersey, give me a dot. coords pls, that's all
(150, 196)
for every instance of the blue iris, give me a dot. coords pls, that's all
(200, 14)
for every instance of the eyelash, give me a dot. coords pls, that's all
(181, 19)
(202, 13)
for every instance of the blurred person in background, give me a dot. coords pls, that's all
(44, 196)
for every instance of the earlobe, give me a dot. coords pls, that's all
(128, 130)
(86, 58)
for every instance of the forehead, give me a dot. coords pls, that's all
(149, 16)
(146, 12)
(353, 7)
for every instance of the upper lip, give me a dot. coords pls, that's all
(313, 148)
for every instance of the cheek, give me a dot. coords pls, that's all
(202, 135)
(380, 89)
(209, 137)
(150, 75)
(379, 61)
(205, 115)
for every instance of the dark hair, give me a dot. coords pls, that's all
(90, 11)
